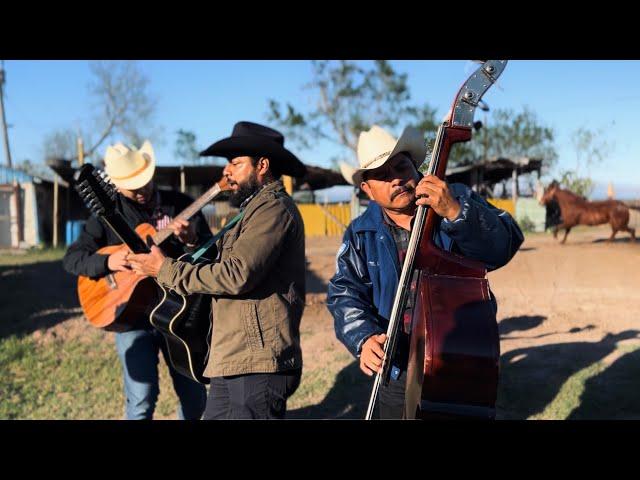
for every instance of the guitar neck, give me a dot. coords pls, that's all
(189, 212)
(128, 236)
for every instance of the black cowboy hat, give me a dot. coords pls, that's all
(252, 139)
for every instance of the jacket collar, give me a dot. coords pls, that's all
(371, 219)
(274, 186)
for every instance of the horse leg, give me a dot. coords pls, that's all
(566, 232)
(555, 232)
(613, 234)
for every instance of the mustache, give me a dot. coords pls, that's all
(400, 190)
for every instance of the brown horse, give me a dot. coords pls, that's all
(576, 210)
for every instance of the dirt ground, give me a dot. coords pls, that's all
(561, 309)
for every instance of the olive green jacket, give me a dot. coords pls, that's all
(258, 288)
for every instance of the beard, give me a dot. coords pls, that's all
(244, 191)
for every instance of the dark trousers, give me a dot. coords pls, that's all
(252, 396)
(391, 397)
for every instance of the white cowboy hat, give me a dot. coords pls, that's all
(130, 168)
(376, 146)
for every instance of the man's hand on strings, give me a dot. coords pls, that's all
(435, 193)
(372, 354)
(147, 264)
(117, 261)
(184, 230)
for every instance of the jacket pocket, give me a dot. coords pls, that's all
(253, 332)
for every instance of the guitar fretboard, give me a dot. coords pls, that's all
(189, 212)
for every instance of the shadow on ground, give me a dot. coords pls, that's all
(347, 399)
(626, 239)
(530, 378)
(612, 394)
(314, 284)
(35, 296)
(521, 323)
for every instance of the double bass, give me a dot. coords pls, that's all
(454, 351)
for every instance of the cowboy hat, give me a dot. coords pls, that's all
(376, 146)
(252, 139)
(130, 168)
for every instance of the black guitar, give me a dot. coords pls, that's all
(184, 321)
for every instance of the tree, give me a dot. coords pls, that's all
(61, 143)
(350, 99)
(570, 180)
(121, 106)
(511, 135)
(590, 148)
(186, 147)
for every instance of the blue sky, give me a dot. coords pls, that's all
(208, 97)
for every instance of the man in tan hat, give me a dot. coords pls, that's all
(258, 285)
(132, 170)
(368, 264)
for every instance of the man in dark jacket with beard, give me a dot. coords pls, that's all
(368, 264)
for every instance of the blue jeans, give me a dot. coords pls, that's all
(138, 352)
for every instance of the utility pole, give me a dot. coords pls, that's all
(7, 152)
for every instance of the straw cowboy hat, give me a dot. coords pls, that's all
(130, 168)
(252, 139)
(376, 146)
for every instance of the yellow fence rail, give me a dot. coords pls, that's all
(325, 220)
(332, 219)
(503, 204)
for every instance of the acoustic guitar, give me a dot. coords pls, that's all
(118, 300)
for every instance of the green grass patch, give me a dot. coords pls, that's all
(32, 255)
(73, 379)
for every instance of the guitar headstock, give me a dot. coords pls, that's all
(96, 190)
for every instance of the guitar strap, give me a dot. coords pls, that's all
(216, 237)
